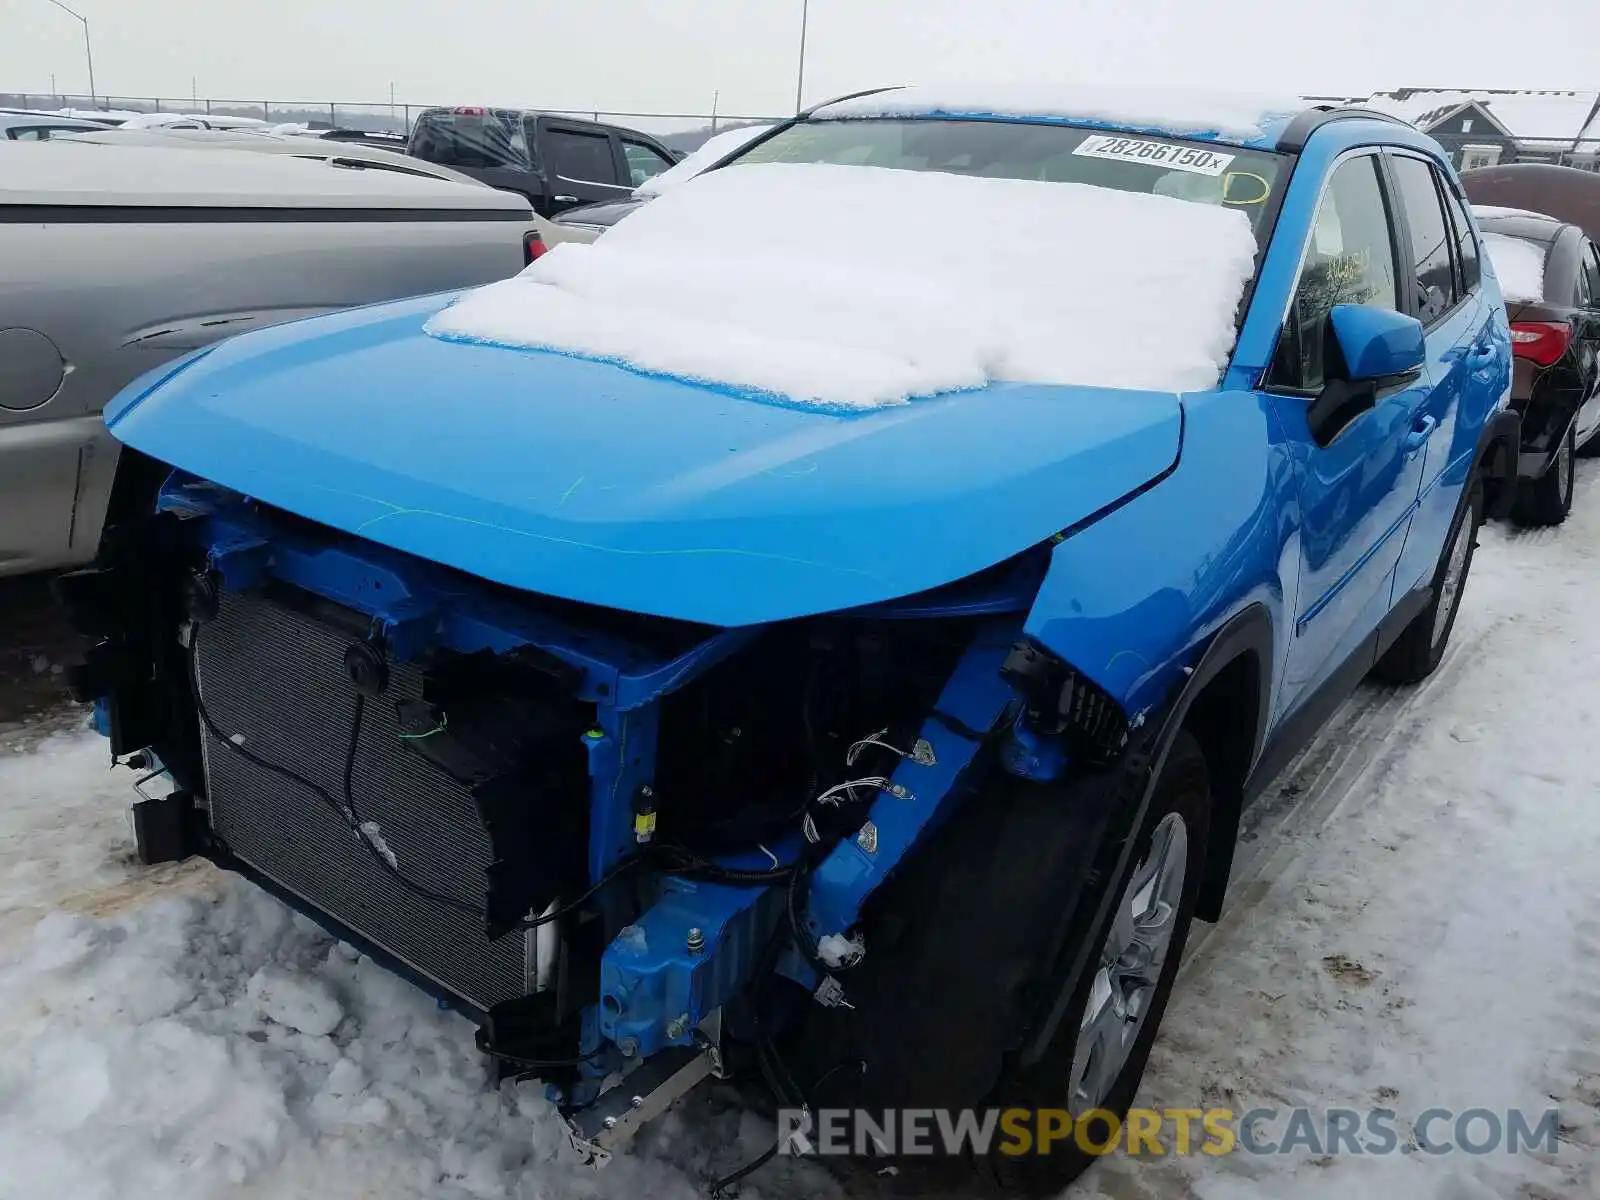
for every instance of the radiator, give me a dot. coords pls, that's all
(273, 679)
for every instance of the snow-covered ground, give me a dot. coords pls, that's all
(1413, 925)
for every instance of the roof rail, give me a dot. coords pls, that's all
(894, 87)
(1298, 131)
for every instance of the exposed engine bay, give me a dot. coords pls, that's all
(627, 847)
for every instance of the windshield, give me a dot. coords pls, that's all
(1204, 172)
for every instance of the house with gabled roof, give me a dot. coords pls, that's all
(1486, 127)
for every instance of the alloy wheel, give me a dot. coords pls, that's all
(1129, 967)
(1454, 574)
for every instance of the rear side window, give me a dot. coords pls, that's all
(476, 140)
(1466, 240)
(1431, 236)
(1349, 260)
(1588, 277)
(580, 157)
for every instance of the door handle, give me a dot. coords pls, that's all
(1482, 356)
(1418, 437)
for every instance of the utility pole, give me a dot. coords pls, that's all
(716, 98)
(800, 79)
(88, 49)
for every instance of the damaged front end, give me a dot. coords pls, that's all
(606, 838)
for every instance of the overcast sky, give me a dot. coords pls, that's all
(671, 55)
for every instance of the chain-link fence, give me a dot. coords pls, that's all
(683, 131)
(373, 117)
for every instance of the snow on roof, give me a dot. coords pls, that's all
(264, 141)
(1418, 107)
(842, 287)
(1518, 265)
(162, 120)
(1238, 116)
(1557, 117)
(1551, 118)
(1495, 210)
(59, 172)
(98, 114)
(717, 148)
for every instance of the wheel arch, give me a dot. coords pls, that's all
(1495, 463)
(1224, 704)
(1223, 701)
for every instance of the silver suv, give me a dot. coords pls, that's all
(114, 260)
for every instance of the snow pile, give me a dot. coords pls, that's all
(307, 1005)
(710, 154)
(140, 1062)
(842, 287)
(1237, 115)
(1518, 265)
(177, 1033)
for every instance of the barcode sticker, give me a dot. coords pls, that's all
(1155, 154)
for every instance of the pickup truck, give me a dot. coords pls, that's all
(556, 161)
(829, 715)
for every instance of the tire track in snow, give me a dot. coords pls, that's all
(1330, 779)
(1420, 931)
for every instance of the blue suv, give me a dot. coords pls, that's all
(883, 757)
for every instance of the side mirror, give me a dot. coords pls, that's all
(1377, 343)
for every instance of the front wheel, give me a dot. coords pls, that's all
(961, 954)
(1094, 1062)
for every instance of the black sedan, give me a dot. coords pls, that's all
(1549, 272)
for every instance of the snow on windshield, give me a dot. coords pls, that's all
(842, 287)
(1175, 110)
(1518, 265)
(709, 155)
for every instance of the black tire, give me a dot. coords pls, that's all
(1591, 445)
(1183, 791)
(1417, 652)
(958, 949)
(1548, 499)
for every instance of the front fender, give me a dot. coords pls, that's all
(1131, 781)
(1130, 598)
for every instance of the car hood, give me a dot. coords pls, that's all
(588, 481)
